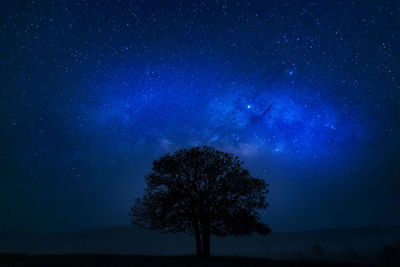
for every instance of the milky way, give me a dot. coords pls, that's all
(305, 92)
(177, 108)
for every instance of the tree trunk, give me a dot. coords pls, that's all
(198, 240)
(206, 241)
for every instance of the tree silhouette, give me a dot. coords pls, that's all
(390, 254)
(317, 250)
(202, 191)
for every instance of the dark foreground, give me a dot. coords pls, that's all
(101, 260)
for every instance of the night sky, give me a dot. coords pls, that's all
(307, 93)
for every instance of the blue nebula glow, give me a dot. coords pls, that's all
(186, 112)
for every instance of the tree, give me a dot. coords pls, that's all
(317, 250)
(202, 191)
(390, 254)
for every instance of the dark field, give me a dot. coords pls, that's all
(127, 260)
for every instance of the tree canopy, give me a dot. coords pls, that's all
(202, 191)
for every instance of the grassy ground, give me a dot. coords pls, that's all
(100, 260)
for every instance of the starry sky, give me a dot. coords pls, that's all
(307, 93)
